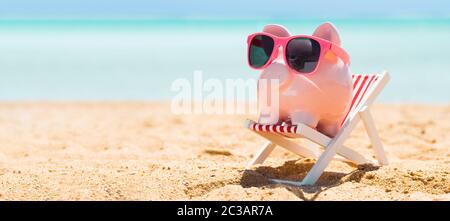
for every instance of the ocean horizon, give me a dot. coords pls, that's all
(139, 59)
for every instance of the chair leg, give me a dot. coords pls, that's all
(262, 155)
(373, 135)
(329, 153)
(318, 168)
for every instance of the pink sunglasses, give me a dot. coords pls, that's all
(302, 53)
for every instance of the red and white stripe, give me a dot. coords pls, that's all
(361, 85)
(283, 129)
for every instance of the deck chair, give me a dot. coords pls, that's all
(365, 89)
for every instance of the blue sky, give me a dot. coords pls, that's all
(227, 9)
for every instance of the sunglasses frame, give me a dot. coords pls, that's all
(325, 46)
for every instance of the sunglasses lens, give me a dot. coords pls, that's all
(303, 54)
(261, 48)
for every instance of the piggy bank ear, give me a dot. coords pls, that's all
(277, 30)
(328, 32)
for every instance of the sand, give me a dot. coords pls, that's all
(140, 151)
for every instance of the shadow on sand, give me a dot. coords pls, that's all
(296, 170)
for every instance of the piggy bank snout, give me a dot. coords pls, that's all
(277, 72)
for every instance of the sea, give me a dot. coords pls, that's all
(120, 60)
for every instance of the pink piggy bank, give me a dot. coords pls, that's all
(307, 78)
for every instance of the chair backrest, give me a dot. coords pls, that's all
(363, 88)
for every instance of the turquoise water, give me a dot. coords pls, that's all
(139, 60)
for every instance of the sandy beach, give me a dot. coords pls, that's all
(141, 151)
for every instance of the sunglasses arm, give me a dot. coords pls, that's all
(341, 53)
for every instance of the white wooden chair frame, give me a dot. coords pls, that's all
(332, 146)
